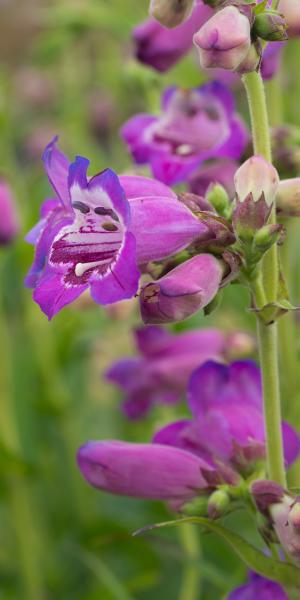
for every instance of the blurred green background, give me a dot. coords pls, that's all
(66, 68)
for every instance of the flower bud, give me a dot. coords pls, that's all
(291, 11)
(285, 516)
(170, 13)
(218, 504)
(224, 41)
(270, 26)
(218, 198)
(196, 507)
(266, 493)
(267, 236)
(258, 178)
(183, 291)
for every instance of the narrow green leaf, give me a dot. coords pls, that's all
(285, 573)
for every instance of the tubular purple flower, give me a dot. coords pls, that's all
(183, 291)
(9, 219)
(160, 373)
(97, 231)
(161, 48)
(142, 470)
(291, 11)
(224, 41)
(259, 588)
(226, 403)
(258, 178)
(194, 125)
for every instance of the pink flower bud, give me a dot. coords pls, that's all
(183, 291)
(291, 11)
(171, 13)
(258, 178)
(224, 41)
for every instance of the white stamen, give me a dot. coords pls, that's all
(81, 268)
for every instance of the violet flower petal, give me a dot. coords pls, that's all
(142, 470)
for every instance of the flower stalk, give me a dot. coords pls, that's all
(265, 290)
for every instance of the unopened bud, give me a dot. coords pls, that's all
(224, 40)
(170, 13)
(258, 178)
(288, 197)
(270, 26)
(267, 236)
(291, 11)
(218, 198)
(266, 493)
(196, 507)
(218, 504)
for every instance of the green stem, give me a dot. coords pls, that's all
(191, 585)
(266, 289)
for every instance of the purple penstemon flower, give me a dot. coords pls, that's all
(227, 424)
(159, 375)
(195, 125)
(97, 231)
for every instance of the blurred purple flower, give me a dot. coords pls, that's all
(161, 48)
(142, 470)
(195, 125)
(9, 219)
(259, 588)
(97, 231)
(161, 373)
(226, 403)
(271, 59)
(183, 291)
(218, 171)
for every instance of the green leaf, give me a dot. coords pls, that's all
(260, 8)
(286, 574)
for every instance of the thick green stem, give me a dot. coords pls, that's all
(265, 288)
(191, 585)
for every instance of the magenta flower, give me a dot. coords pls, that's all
(143, 470)
(161, 48)
(226, 403)
(97, 231)
(224, 41)
(194, 125)
(9, 219)
(161, 373)
(259, 588)
(183, 291)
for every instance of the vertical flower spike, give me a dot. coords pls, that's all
(183, 291)
(291, 11)
(9, 220)
(142, 470)
(171, 13)
(224, 41)
(160, 48)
